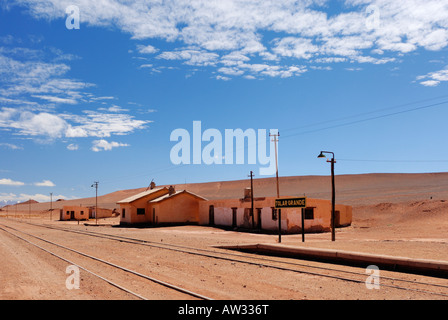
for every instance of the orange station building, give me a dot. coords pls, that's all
(165, 206)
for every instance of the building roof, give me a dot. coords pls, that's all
(169, 196)
(140, 195)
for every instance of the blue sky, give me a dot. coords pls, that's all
(364, 79)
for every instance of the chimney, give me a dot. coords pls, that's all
(171, 190)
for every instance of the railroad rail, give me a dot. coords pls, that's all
(252, 259)
(160, 282)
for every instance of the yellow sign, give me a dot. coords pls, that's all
(290, 203)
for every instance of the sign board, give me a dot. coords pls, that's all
(290, 203)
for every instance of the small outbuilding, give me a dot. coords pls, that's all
(83, 213)
(75, 213)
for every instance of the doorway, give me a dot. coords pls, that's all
(234, 217)
(211, 215)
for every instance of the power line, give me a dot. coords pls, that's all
(395, 161)
(368, 119)
(129, 177)
(364, 113)
(145, 173)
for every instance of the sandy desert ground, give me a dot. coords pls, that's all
(393, 214)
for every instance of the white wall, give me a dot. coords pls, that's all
(223, 216)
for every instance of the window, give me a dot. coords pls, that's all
(124, 213)
(309, 213)
(274, 213)
(82, 212)
(140, 211)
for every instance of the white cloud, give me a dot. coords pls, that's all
(147, 49)
(206, 32)
(41, 124)
(430, 83)
(9, 182)
(258, 70)
(72, 147)
(231, 71)
(433, 79)
(191, 57)
(29, 90)
(114, 108)
(219, 77)
(54, 126)
(103, 98)
(56, 99)
(96, 124)
(45, 183)
(103, 145)
(13, 198)
(39, 79)
(295, 47)
(10, 146)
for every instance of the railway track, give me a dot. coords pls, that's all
(104, 262)
(353, 275)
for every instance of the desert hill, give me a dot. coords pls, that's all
(384, 205)
(354, 190)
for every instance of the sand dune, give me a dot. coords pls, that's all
(355, 190)
(384, 205)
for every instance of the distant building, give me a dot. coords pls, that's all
(83, 213)
(75, 213)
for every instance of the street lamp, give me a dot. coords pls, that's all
(321, 155)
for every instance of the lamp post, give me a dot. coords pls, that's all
(321, 155)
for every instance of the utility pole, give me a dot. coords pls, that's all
(275, 140)
(252, 198)
(51, 206)
(95, 184)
